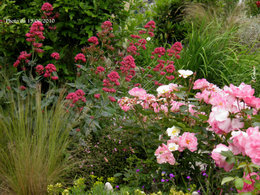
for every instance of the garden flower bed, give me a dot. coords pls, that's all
(121, 112)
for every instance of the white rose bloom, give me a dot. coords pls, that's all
(185, 73)
(163, 89)
(148, 38)
(173, 147)
(173, 132)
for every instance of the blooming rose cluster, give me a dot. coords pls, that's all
(76, 97)
(165, 101)
(245, 143)
(176, 143)
(23, 57)
(36, 34)
(225, 103)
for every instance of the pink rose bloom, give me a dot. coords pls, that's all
(239, 139)
(138, 92)
(201, 84)
(249, 187)
(205, 95)
(176, 106)
(188, 140)
(221, 123)
(253, 102)
(219, 159)
(252, 146)
(164, 155)
(242, 91)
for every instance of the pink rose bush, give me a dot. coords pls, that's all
(227, 119)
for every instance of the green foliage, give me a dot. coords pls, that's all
(33, 142)
(168, 16)
(77, 21)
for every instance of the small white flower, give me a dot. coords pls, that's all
(148, 38)
(108, 187)
(173, 147)
(185, 73)
(173, 132)
(163, 89)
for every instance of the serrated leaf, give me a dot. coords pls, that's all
(248, 181)
(239, 183)
(241, 165)
(227, 179)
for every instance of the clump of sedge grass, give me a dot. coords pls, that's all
(33, 143)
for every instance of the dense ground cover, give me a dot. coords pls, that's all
(121, 102)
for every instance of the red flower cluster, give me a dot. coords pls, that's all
(93, 40)
(48, 14)
(47, 9)
(127, 67)
(76, 97)
(36, 34)
(39, 69)
(113, 80)
(175, 50)
(160, 51)
(81, 57)
(105, 35)
(150, 26)
(55, 55)
(50, 68)
(257, 3)
(22, 57)
(100, 69)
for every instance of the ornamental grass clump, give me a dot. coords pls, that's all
(33, 142)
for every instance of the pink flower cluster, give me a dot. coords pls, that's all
(127, 67)
(225, 102)
(36, 34)
(81, 57)
(165, 101)
(246, 143)
(76, 97)
(23, 57)
(55, 55)
(164, 152)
